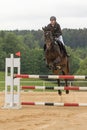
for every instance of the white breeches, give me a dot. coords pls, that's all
(60, 38)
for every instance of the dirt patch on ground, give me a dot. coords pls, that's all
(46, 117)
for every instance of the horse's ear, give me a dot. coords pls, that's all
(44, 28)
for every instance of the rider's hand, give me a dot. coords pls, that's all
(56, 39)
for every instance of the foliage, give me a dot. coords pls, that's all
(83, 67)
(75, 38)
(32, 62)
(30, 44)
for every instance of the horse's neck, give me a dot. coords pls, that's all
(55, 49)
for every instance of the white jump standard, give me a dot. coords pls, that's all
(12, 99)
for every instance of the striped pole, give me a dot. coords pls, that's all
(51, 76)
(55, 104)
(55, 88)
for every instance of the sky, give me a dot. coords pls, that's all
(35, 14)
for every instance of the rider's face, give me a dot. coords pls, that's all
(53, 22)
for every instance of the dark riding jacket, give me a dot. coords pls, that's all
(56, 30)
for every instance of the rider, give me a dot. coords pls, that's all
(55, 28)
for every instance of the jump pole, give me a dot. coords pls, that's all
(55, 88)
(51, 76)
(55, 104)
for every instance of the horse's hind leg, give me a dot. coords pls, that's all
(59, 91)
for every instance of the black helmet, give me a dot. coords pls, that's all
(52, 18)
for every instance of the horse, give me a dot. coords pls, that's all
(55, 57)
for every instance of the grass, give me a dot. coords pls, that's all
(2, 76)
(2, 81)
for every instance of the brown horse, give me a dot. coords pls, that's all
(55, 57)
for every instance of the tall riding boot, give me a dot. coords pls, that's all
(44, 47)
(65, 51)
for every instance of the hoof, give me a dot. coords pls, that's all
(67, 91)
(60, 92)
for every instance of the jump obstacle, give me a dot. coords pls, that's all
(55, 88)
(50, 76)
(12, 99)
(55, 104)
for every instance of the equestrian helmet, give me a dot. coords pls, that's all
(52, 18)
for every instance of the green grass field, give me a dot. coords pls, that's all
(2, 81)
(2, 76)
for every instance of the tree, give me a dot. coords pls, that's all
(83, 67)
(74, 61)
(2, 60)
(11, 43)
(32, 62)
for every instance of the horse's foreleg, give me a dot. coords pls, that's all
(66, 83)
(59, 91)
